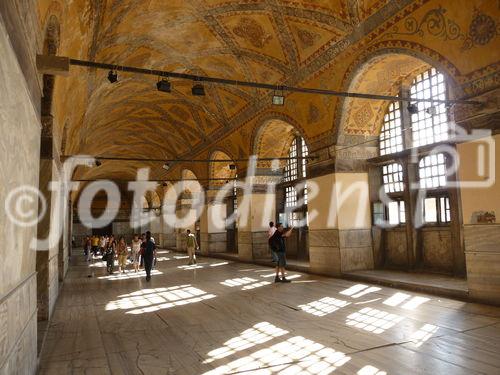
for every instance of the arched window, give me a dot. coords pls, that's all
(391, 138)
(426, 123)
(430, 122)
(295, 171)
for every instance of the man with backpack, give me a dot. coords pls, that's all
(277, 244)
(191, 245)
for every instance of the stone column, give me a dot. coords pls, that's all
(166, 234)
(340, 224)
(184, 209)
(213, 224)
(481, 220)
(256, 207)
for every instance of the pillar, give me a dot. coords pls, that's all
(340, 237)
(256, 208)
(480, 214)
(185, 213)
(213, 224)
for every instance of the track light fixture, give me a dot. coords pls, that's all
(278, 98)
(412, 109)
(97, 163)
(166, 166)
(198, 90)
(112, 76)
(164, 85)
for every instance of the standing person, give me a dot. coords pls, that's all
(149, 254)
(122, 253)
(95, 244)
(110, 254)
(87, 245)
(277, 242)
(102, 244)
(191, 244)
(270, 233)
(143, 240)
(136, 251)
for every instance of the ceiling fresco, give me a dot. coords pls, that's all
(314, 43)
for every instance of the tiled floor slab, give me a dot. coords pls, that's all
(223, 317)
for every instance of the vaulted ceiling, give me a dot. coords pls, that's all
(272, 41)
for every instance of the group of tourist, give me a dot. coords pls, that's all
(142, 252)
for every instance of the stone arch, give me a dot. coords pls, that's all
(152, 199)
(381, 71)
(189, 185)
(221, 170)
(273, 140)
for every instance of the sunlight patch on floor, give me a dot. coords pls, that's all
(373, 320)
(258, 334)
(128, 275)
(370, 370)
(324, 306)
(296, 355)
(359, 290)
(238, 281)
(423, 334)
(149, 300)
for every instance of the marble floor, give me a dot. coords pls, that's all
(224, 317)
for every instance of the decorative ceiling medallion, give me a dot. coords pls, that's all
(482, 29)
(252, 32)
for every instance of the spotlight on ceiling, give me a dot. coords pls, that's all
(165, 184)
(198, 90)
(97, 163)
(166, 166)
(112, 76)
(278, 98)
(412, 109)
(164, 85)
(232, 166)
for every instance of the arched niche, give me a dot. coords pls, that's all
(273, 140)
(220, 171)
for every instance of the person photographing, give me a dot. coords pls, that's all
(277, 244)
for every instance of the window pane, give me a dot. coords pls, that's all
(402, 217)
(432, 171)
(392, 175)
(430, 210)
(391, 140)
(445, 211)
(393, 209)
(431, 123)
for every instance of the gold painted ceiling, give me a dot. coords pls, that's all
(310, 43)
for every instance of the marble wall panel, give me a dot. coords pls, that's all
(19, 166)
(396, 248)
(436, 249)
(260, 245)
(482, 253)
(17, 319)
